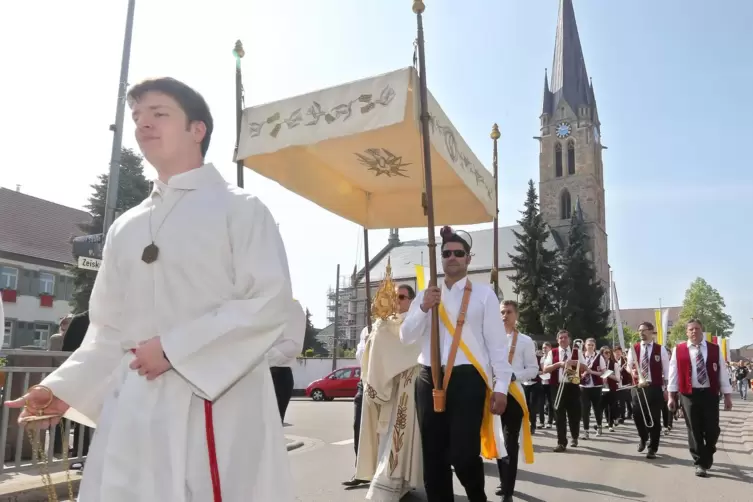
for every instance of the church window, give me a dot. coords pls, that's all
(571, 157)
(566, 205)
(558, 159)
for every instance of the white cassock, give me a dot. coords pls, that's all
(218, 296)
(290, 345)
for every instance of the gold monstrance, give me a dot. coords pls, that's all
(385, 300)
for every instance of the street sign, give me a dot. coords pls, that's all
(89, 246)
(89, 263)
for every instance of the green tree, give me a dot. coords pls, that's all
(535, 269)
(581, 296)
(702, 302)
(631, 336)
(133, 188)
(310, 343)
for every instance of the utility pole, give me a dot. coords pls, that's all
(113, 180)
(337, 320)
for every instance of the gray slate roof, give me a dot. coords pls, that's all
(38, 228)
(569, 80)
(407, 255)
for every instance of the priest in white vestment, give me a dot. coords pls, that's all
(389, 371)
(192, 294)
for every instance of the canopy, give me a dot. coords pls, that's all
(356, 151)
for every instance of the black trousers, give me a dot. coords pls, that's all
(451, 439)
(655, 398)
(535, 399)
(568, 413)
(547, 401)
(512, 421)
(357, 406)
(282, 377)
(666, 416)
(701, 411)
(609, 402)
(590, 396)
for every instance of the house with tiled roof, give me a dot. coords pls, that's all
(35, 252)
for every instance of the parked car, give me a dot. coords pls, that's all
(339, 383)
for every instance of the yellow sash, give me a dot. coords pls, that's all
(488, 443)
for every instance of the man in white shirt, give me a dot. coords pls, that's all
(652, 361)
(563, 365)
(283, 354)
(193, 292)
(546, 395)
(525, 367)
(451, 438)
(697, 373)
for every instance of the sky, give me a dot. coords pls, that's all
(671, 78)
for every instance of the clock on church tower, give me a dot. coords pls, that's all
(563, 130)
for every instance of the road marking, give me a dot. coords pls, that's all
(343, 443)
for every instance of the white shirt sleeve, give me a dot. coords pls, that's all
(724, 375)
(530, 365)
(362, 344)
(665, 363)
(672, 386)
(547, 361)
(417, 323)
(495, 340)
(290, 344)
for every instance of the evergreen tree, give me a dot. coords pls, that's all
(309, 339)
(581, 295)
(133, 188)
(535, 269)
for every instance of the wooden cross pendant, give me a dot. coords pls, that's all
(150, 254)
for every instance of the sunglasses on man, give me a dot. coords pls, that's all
(459, 253)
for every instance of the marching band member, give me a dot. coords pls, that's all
(546, 394)
(562, 364)
(624, 404)
(522, 357)
(591, 386)
(611, 395)
(652, 361)
(696, 375)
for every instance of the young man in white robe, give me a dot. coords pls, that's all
(391, 458)
(193, 292)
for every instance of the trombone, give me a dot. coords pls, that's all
(640, 389)
(571, 374)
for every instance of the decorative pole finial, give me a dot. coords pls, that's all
(495, 135)
(418, 7)
(238, 51)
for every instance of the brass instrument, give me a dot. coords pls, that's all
(571, 374)
(640, 389)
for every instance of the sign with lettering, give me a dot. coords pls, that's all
(89, 246)
(89, 263)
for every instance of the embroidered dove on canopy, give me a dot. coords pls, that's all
(356, 151)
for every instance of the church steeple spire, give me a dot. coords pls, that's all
(547, 108)
(569, 76)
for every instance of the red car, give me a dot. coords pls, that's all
(339, 383)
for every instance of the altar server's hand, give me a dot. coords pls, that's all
(499, 403)
(432, 297)
(150, 359)
(37, 400)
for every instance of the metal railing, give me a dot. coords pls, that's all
(16, 448)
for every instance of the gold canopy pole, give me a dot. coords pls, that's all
(436, 360)
(238, 52)
(495, 270)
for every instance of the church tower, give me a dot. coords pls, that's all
(570, 165)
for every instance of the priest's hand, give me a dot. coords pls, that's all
(150, 359)
(498, 403)
(39, 401)
(432, 297)
(727, 402)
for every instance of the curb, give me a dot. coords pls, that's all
(291, 446)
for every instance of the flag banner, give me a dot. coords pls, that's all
(617, 318)
(420, 278)
(708, 337)
(715, 340)
(665, 323)
(659, 330)
(724, 349)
